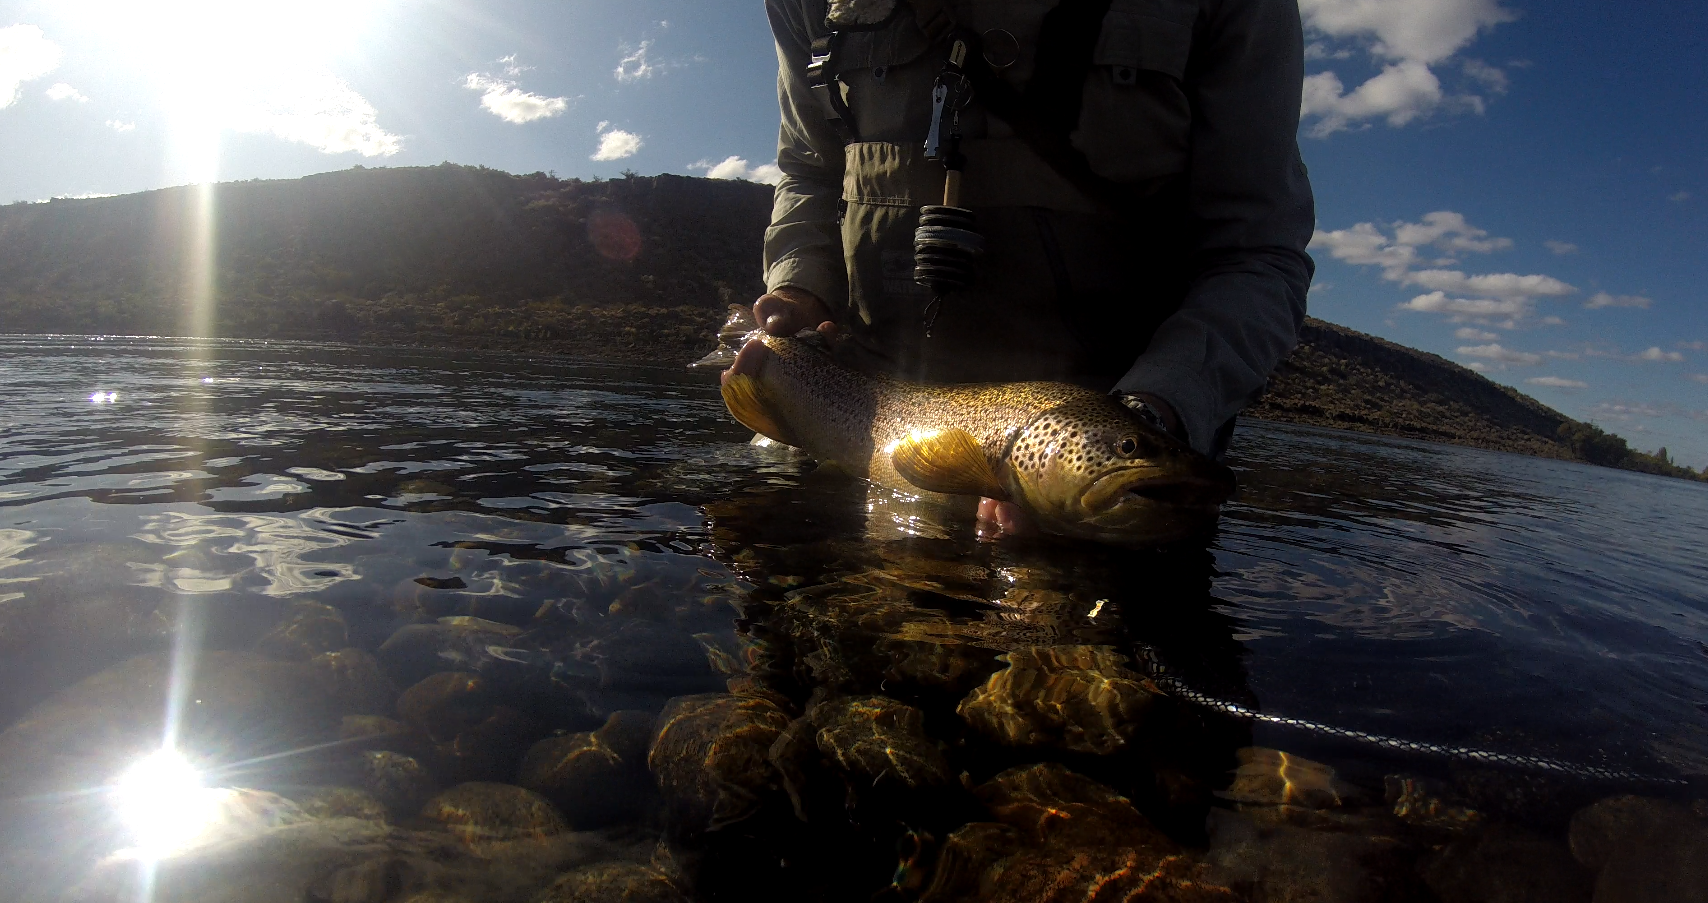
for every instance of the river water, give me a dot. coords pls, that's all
(366, 595)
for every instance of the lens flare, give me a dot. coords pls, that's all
(163, 804)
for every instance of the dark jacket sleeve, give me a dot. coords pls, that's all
(803, 246)
(1251, 215)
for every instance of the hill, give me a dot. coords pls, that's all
(638, 268)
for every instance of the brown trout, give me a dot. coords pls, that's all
(1076, 460)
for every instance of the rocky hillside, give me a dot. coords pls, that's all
(638, 268)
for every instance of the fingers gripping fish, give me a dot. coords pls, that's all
(1077, 461)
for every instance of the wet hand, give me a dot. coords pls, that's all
(998, 518)
(785, 311)
(789, 310)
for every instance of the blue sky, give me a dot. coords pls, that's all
(1518, 186)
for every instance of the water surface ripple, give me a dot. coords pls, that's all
(628, 546)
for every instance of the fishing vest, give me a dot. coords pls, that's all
(1075, 166)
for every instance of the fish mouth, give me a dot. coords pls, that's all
(1148, 487)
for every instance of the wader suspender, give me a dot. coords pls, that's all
(821, 78)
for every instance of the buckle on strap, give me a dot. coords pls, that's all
(822, 79)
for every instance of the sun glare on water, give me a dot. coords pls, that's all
(163, 804)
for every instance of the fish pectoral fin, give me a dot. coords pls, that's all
(948, 461)
(751, 406)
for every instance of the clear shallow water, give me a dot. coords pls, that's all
(625, 547)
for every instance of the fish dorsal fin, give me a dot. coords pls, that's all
(751, 406)
(948, 461)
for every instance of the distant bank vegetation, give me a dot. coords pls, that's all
(636, 269)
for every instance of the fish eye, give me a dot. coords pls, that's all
(1128, 447)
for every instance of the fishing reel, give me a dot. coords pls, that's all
(946, 245)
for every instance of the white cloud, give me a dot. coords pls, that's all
(1493, 77)
(1468, 334)
(119, 125)
(734, 167)
(25, 55)
(63, 91)
(1656, 354)
(1500, 354)
(1400, 93)
(1493, 285)
(615, 144)
(1603, 299)
(1475, 297)
(1618, 411)
(1700, 377)
(314, 108)
(1693, 346)
(1557, 382)
(503, 99)
(1425, 30)
(1679, 197)
(1449, 232)
(1411, 36)
(1562, 248)
(634, 66)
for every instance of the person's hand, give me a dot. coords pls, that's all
(998, 518)
(789, 310)
(786, 311)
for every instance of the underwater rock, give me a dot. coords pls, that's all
(1052, 804)
(1599, 829)
(238, 706)
(444, 705)
(877, 738)
(374, 728)
(482, 812)
(1269, 859)
(1270, 777)
(474, 736)
(1642, 849)
(307, 630)
(354, 679)
(351, 860)
(1417, 802)
(401, 783)
(1502, 864)
(613, 882)
(340, 802)
(454, 644)
(1063, 837)
(1079, 698)
(596, 777)
(710, 757)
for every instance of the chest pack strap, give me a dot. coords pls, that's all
(1046, 112)
(821, 78)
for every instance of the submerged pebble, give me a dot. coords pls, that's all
(307, 630)
(1642, 849)
(1060, 836)
(354, 679)
(878, 739)
(596, 777)
(483, 812)
(401, 783)
(1503, 864)
(613, 882)
(1270, 777)
(710, 756)
(1079, 698)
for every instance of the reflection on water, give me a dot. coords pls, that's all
(464, 627)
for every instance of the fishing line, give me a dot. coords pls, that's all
(1174, 686)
